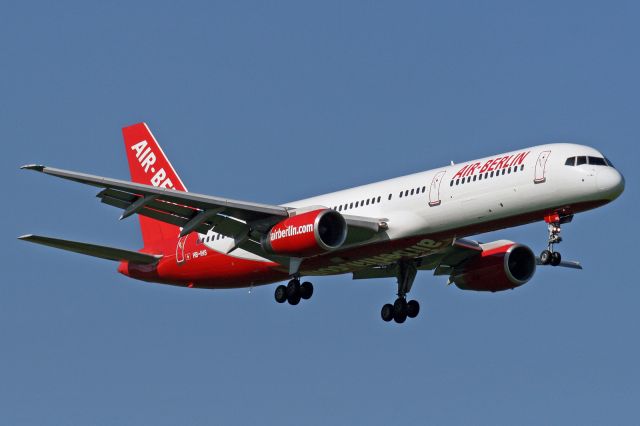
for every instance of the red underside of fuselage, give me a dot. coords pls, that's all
(217, 270)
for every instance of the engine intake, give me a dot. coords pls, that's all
(307, 234)
(501, 268)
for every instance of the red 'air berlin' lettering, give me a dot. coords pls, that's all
(461, 172)
(491, 165)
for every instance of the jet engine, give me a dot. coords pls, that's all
(501, 268)
(307, 234)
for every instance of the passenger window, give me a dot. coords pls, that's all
(597, 161)
(457, 181)
(412, 192)
(522, 167)
(351, 205)
(503, 171)
(451, 184)
(400, 194)
(424, 188)
(406, 192)
(389, 197)
(581, 160)
(491, 174)
(381, 197)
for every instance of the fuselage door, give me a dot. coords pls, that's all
(541, 165)
(434, 189)
(180, 249)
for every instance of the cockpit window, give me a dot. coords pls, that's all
(597, 161)
(609, 163)
(583, 159)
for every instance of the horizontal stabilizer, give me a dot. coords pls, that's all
(94, 250)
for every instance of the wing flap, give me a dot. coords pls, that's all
(103, 252)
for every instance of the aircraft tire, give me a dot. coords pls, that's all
(400, 310)
(387, 312)
(293, 288)
(413, 308)
(399, 316)
(556, 258)
(306, 290)
(545, 257)
(281, 294)
(294, 299)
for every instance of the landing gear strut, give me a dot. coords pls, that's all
(549, 256)
(294, 292)
(401, 309)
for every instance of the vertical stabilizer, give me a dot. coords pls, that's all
(149, 165)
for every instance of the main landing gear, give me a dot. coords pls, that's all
(294, 291)
(549, 256)
(401, 309)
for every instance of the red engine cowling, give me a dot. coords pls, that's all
(307, 234)
(501, 268)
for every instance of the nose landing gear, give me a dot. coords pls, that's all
(550, 256)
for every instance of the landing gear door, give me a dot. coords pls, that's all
(541, 165)
(434, 189)
(180, 249)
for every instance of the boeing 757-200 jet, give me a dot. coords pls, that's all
(392, 228)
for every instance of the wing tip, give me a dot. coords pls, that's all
(26, 237)
(36, 167)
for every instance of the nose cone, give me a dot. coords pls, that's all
(610, 182)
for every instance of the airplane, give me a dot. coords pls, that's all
(388, 229)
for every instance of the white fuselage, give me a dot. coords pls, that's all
(539, 185)
(453, 198)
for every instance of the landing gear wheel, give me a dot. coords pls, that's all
(293, 288)
(293, 292)
(545, 257)
(387, 312)
(400, 310)
(399, 316)
(294, 299)
(306, 290)
(413, 308)
(400, 305)
(281, 294)
(556, 258)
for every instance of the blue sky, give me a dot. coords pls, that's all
(275, 101)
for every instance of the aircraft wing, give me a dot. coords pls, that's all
(444, 262)
(441, 262)
(197, 212)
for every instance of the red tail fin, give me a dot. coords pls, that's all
(149, 165)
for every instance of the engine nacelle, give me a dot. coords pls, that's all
(307, 234)
(496, 269)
